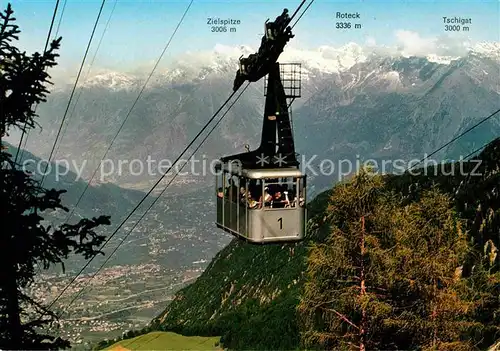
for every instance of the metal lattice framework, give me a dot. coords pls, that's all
(291, 74)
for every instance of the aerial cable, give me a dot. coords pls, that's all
(53, 38)
(297, 10)
(302, 14)
(144, 198)
(148, 193)
(73, 91)
(466, 159)
(455, 138)
(478, 149)
(129, 111)
(60, 18)
(87, 75)
(156, 199)
(23, 147)
(51, 26)
(44, 51)
(24, 132)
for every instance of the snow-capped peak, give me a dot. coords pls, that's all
(445, 60)
(490, 49)
(225, 51)
(222, 60)
(110, 79)
(326, 59)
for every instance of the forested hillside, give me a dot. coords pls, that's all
(249, 294)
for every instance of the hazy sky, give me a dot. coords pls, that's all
(139, 30)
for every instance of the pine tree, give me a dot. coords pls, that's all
(25, 242)
(429, 309)
(386, 278)
(345, 297)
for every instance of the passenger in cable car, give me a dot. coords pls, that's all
(244, 195)
(251, 202)
(232, 191)
(267, 198)
(278, 200)
(285, 192)
(220, 193)
(287, 200)
(291, 194)
(298, 201)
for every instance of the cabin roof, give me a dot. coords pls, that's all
(260, 173)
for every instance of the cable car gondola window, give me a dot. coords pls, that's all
(269, 205)
(253, 193)
(231, 187)
(300, 198)
(219, 185)
(284, 193)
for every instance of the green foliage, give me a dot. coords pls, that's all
(167, 341)
(247, 295)
(395, 278)
(236, 297)
(336, 294)
(22, 77)
(26, 242)
(259, 325)
(229, 299)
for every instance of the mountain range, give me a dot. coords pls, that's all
(357, 103)
(370, 102)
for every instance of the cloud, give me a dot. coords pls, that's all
(370, 41)
(410, 43)
(325, 58)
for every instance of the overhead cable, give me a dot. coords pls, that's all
(87, 75)
(143, 199)
(73, 91)
(155, 200)
(455, 138)
(302, 14)
(44, 51)
(55, 36)
(129, 112)
(154, 186)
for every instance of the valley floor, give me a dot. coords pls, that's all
(166, 341)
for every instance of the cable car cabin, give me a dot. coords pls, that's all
(261, 194)
(261, 205)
